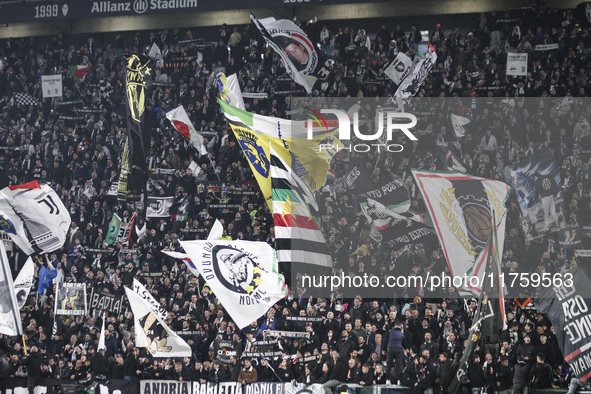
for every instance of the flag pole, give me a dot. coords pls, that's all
(24, 344)
(263, 358)
(565, 241)
(212, 166)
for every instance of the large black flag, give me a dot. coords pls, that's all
(490, 315)
(570, 315)
(132, 180)
(397, 230)
(389, 190)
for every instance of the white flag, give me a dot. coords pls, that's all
(230, 90)
(179, 118)
(156, 54)
(459, 122)
(242, 274)
(412, 83)
(10, 319)
(23, 282)
(34, 217)
(152, 332)
(215, 234)
(141, 291)
(399, 68)
(101, 344)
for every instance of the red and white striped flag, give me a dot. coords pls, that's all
(179, 118)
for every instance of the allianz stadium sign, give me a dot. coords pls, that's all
(140, 6)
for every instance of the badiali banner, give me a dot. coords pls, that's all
(101, 301)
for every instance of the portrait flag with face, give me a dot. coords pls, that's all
(242, 275)
(304, 63)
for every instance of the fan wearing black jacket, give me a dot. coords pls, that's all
(444, 372)
(504, 376)
(98, 365)
(33, 363)
(338, 375)
(217, 374)
(426, 375)
(540, 375)
(366, 376)
(117, 369)
(353, 374)
(476, 376)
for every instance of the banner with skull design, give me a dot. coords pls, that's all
(242, 274)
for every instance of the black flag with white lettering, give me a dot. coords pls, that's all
(570, 315)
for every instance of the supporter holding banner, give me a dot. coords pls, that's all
(397, 230)
(413, 81)
(304, 63)
(571, 238)
(71, 299)
(101, 301)
(389, 190)
(458, 122)
(536, 182)
(45, 278)
(223, 350)
(120, 231)
(33, 215)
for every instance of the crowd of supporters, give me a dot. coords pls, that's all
(408, 338)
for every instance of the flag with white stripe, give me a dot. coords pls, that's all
(300, 244)
(101, 344)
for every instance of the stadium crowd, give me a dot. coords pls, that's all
(408, 338)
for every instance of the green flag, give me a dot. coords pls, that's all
(113, 232)
(78, 72)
